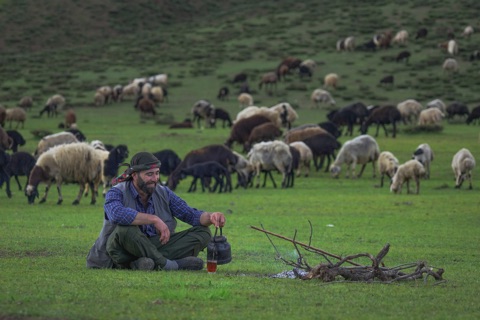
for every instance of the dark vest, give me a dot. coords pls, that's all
(97, 256)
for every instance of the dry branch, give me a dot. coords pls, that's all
(329, 271)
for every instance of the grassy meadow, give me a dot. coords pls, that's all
(43, 246)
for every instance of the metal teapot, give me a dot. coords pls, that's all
(219, 249)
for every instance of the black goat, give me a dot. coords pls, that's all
(169, 161)
(223, 115)
(223, 93)
(403, 56)
(209, 169)
(17, 139)
(421, 33)
(343, 117)
(116, 157)
(21, 164)
(382, 116)
(457, 109)
(50, 109)
(331, 128)
(322, 146)
(474, 116)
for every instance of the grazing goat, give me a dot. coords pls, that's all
(474, 116)
(412, 169)
(21, 164)
(288, 115)
(145, 105)
(76, 162)
(387, 165)
(424, 155)
(360, 150)
(209, 169)
(463, 164)
(382, 116)
(322, 145)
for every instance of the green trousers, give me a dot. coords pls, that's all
(128, 243)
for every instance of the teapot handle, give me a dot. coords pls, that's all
(216, 229)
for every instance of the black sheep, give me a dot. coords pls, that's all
(239, 77)
(421, 33)
(4, 177)
(169, 160)
(382, 116)
(404, 55)
(331, 128)
(209, 169)
(223, 115)
(343, 117)
(116, 157)
(223, 93)
(304, 71)
(474, 115)
(387, 80)
(17, 139)
(50, 109)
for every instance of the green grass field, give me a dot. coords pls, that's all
(43, 246)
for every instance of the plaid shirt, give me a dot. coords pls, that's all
(117, 213)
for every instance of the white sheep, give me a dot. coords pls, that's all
(271, 155)
(452, 47)
(17, 114)
(130, 91)
(360, 150)
(306, 157)
(55, 139)
(450, 65)
(320, 95)
(159, 79)
(437, 103)
(401, 37)
(467, 32)
(245, 100)
(97, 144)
(412, 169)
(387, 165)
(264, 111)
(286, 112)
(309, 63)
(463, 164)
(347, 44)
(145, 91)
(331, 80)
(78, 162)
(104, 91)
(424, 155)
(157, 93)
(430, 117)
(409, 110)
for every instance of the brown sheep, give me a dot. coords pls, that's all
(145, 106)
(302, 133)
(16, 114)
(264, 132)
(240, 131)
(331, 80)
(70, 118)
(26, 103)
(269, 79)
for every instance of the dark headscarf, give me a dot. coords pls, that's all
(140, 162)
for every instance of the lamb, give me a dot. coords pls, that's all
(430, 117)
(17, 139)
(401, 37)
(382, 116)
(223, 115)
(271, 114)
(412, 169)
(387, 165)
(245, 100)
(331, 80)
(424, 155)
(463, 164)
(322, 145)
(450, 65)
(288, 115)
(70, 118)
(16, 114)
(306, 157)
(271, 155)
(264, 132)
(360, 150)
(77, 162)
(21, 164)
(409, 110)
(467, 32)
(437, 103)
(53, 140)
(320, 95)
(457, 109)
(474, 115)
(216, 152)
(26, 103)
(209, 169)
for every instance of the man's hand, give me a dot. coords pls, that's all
(163, 231)
(217, 219)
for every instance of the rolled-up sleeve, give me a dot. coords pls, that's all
(115, 210)
(181, 210)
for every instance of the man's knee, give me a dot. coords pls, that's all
(203, 234)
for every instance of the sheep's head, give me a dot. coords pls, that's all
(335, 171)
(31, 193)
